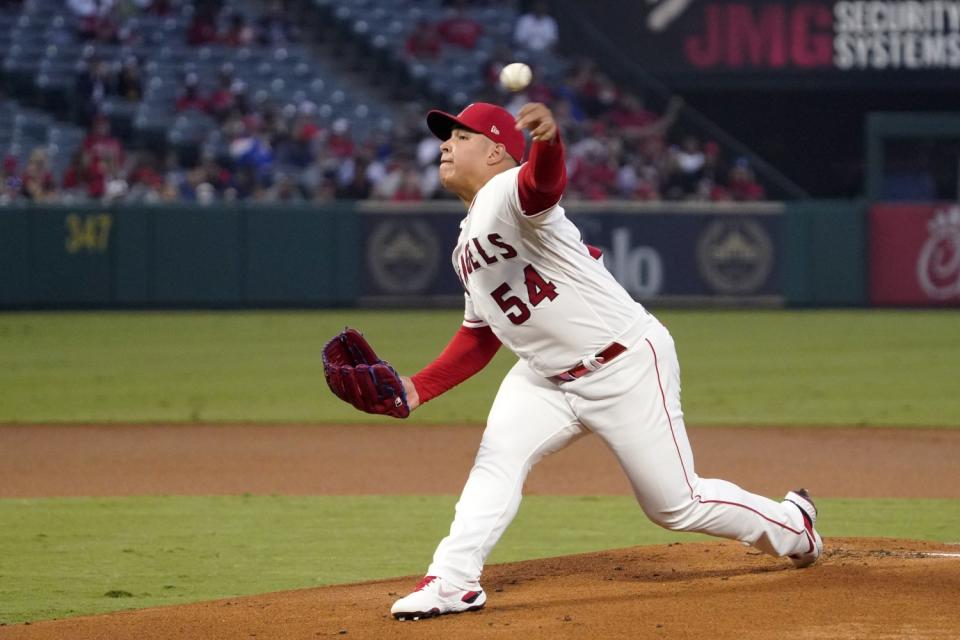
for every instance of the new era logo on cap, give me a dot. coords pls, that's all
(494, 122)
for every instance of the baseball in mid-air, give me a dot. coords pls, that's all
(515, 76)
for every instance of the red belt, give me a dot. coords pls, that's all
(605, 356)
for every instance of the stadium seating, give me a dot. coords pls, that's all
(345, 66)
(380, 31)
(42, 55)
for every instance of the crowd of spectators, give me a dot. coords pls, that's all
(97, 79)
(212, 23)
(106, 21)
(618, 147)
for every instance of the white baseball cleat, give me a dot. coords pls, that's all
(801, 498)
(436, 597)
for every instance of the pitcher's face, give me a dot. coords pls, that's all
(463, 158)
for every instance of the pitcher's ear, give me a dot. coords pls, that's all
(497, 153)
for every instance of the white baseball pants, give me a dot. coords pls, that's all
(633, 403)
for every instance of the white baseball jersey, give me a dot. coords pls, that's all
(534, 282)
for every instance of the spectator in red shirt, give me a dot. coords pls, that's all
(304, 127)
(409, 189)
(144, 173)
(108, 31)
(144, 183)
(340, 143)
(743, 183)
(424, 41)
(203, 27)
(221, 101)
(594, 174)
(719, 193)
(85, 173)
(101, 146)
(635, 121)
(10, 187)
(460, 29)
(190, 98)
(300, 146)
(646, 190)
(93, 16)
(631, 112)
(71, 175)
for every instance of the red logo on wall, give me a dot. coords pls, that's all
(773, 36)
(938, 268)
(816, 35)
(915, 254)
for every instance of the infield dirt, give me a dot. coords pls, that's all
(862, 588)
(119, 460)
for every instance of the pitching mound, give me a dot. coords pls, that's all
(862, 588)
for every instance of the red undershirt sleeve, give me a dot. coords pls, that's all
(543, 177)
(470, 350)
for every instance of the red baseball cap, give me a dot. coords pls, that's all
(484, 118)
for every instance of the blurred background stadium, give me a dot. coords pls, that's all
(777, 126)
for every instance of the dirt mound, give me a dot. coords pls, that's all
(862, 588)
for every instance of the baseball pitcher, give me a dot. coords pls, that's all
(591, 359)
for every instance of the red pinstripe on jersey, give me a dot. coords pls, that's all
(693, 494)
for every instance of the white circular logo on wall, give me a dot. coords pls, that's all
(938, 267)
(735, 256)
(403, 256)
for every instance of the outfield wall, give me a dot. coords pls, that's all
(346, 254)
(178, 257)
(684, 254)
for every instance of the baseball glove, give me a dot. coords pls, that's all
(356, 375)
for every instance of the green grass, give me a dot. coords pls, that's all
(60, 557)
(254, 366)
(865, 367)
